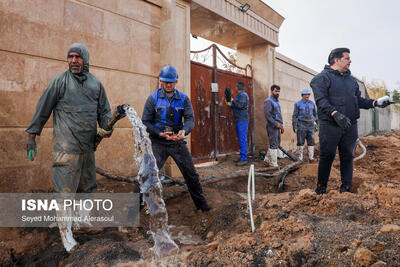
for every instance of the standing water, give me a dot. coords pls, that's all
(150, 187)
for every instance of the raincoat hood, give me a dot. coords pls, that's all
(82, 50)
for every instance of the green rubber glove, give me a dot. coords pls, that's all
(31, 148)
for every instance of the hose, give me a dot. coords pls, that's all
(363, 153)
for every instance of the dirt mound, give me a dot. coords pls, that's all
(293, 228)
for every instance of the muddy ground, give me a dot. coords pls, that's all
(293, 228)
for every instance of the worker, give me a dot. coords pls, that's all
(78, 102)
(169, 118)
(240, 108)
(303, 120)
(339, 100)
(273, 114)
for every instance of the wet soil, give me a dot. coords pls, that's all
(293, 228)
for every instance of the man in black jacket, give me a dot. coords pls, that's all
(339, 100)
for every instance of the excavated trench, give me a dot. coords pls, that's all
(293, 228)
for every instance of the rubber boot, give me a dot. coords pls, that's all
(274, 157)
(311, 152)
(300, 152)
(83, 222)
(281, 155)
(65, 225)
(267, 156)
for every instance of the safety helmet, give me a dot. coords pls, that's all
(305, 92)
(168, 74)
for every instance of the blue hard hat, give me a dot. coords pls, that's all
(305, 92)
(168, 74)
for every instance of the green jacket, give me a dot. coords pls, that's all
(77, 107)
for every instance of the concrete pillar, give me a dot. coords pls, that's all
(168, 33)
(168, 55)
(262, 61)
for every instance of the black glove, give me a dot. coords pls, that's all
(228, 94)
(121, 110)
(342, 120)
(31, 149)
(384, 104)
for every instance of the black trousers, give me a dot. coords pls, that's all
(303, 135)
(181, 155)
(332, 137)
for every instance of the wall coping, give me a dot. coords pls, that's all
(295, 63)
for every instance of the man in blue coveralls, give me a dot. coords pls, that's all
(169, 117)
(303, 119)
(273, 114)
(240, 108)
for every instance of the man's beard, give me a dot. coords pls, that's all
(75, 70)
(275, 96)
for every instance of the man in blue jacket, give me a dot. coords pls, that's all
(273, 114)
(169, 117)
(240, 108)
(303, 121)
(339, 100)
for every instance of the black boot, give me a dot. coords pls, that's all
(205, 208)
(320, 189)
(345, 188)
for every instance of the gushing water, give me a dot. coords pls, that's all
(151, 188)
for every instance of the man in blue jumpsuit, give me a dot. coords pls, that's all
(339, 100)
(273, 114)
(240, 108)
(78, 102)
(303, 121)
(169, 117)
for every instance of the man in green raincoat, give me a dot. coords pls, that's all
(78, 102)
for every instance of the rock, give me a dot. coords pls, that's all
(355, 243)
(379, 264)
(210, 235)
(212, 246)
(276, 243)
(390, 228)
(307, 192)
(364, 257)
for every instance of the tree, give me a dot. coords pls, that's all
(376, 89)
(396, 96)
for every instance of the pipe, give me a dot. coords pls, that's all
(288, 154)
(116, 116)
(128, 179)
(363, 153)
(251, 181)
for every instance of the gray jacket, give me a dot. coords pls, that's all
(272, 112)
(78, 103)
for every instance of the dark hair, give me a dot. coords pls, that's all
(240, 86)
(274, 86)
(337, 53)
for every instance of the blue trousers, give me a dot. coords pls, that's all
(241, 131)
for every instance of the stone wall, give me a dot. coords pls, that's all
(123, 38)
(365, 123)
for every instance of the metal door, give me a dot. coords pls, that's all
(226, 132)
(202, 140)
(215, 132)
